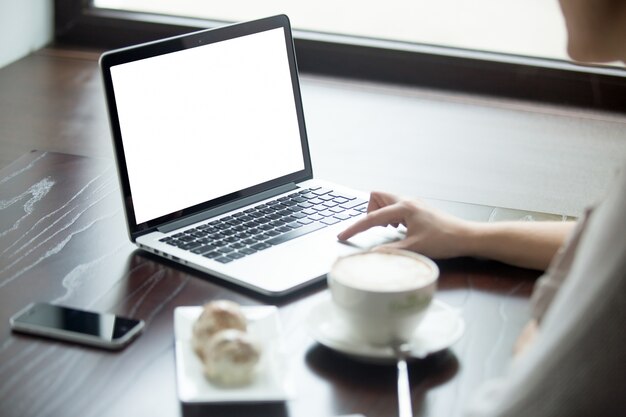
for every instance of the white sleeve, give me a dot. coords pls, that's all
(577, 364)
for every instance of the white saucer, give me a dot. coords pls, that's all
(441, 328)
(270, 383)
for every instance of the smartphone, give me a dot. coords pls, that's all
(101, 330)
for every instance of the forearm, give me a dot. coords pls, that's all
(525, 244)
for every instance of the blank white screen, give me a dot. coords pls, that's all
(207, 121)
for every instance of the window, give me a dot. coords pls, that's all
(519, 27)
(510, 48)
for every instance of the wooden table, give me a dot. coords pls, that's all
(63, 239)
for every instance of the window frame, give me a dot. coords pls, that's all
(541, 80)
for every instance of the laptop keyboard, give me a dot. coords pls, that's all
(268, 224)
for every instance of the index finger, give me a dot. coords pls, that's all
(381, 217)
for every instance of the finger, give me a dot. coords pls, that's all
(410, 243)
(382, 217)
(379, 200)
(353, 229)
(399, 244)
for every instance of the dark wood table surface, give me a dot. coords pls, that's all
(63, 240)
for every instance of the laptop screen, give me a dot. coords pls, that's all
(205, 122)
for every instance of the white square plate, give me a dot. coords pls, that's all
(270, 383)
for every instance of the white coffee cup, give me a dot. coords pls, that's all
(382, 295)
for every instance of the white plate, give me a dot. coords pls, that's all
(441, 328)
(270, 383)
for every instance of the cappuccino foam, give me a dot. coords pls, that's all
(387, 272)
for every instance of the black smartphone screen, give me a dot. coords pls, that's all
(107, 327)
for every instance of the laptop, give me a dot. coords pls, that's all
(213, 159)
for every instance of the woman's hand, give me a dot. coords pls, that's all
(429, 231)
(439, 235)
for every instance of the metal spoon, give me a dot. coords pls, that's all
(402, 351)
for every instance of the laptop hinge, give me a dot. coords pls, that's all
(225, 208)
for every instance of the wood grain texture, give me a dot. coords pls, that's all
(53, 100)
(63, 239)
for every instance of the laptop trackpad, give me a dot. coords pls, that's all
(373, 238)
(293, 263)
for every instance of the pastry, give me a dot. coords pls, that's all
(230, 358)
(216, 316)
